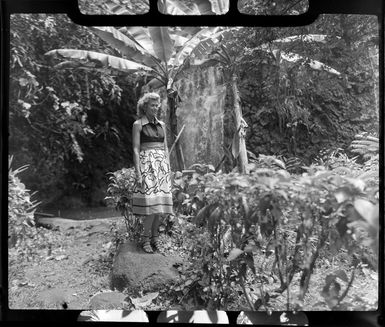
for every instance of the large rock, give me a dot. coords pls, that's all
(135, 270)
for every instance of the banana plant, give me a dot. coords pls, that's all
(157, 53)
(160, 54)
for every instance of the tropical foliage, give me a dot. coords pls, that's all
(302, 106)
(172, 7)
(61, 132)
(281, 110)
(366, 145)
(119, 195)
(245, 230)
(114, 7)
(265, 7)
(158, 54)
(20, 209)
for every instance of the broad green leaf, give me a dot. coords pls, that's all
(240, 181)
(162, 43)
(86, 66)
(141, 35)
(341, 195)
(155, 84)
(99, 59)
(204, 63)
(186, 31)
(179, 40)
(279, 163)
(191, 44)
(294, 57)
(120, 7)
(304, 38)
(214, 218)
(367, 210)
(219, 7)
(146, 300)
(126, 45)
(204, 7)
(208, 43)
(201, 215)
(188, 282)
(358, 183)
(315, 64)
(175, 7)
(234, 253)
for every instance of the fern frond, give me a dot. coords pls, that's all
(365, 145)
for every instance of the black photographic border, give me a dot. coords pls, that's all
(153, 17)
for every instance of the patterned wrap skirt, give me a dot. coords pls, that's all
(154, 196)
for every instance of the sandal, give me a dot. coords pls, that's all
(156, 245)
(147, 247)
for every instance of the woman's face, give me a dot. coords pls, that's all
(152, 109)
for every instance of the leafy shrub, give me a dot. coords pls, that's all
(231, 220)
(270, 211)
(187, 197)
(20, 210)
(26, 240)
(119, 195)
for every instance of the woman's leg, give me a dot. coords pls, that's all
(155, 228)
(147, 228)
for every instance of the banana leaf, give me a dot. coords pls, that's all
(192, 43)
(141, 35)
(127, 46)
(315, 64)
(162, 43)
(99, 59)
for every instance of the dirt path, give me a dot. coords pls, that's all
(79, 263)
(67, 277)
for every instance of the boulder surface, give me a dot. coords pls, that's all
(135, 270)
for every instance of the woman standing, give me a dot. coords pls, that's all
(152, 190)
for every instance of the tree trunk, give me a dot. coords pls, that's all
(172, 105)
(240, 126)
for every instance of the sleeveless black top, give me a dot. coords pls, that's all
(152, 132)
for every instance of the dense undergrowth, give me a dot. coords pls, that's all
(243, 234)
(242, 230)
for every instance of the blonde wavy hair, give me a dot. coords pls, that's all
(144, 100)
